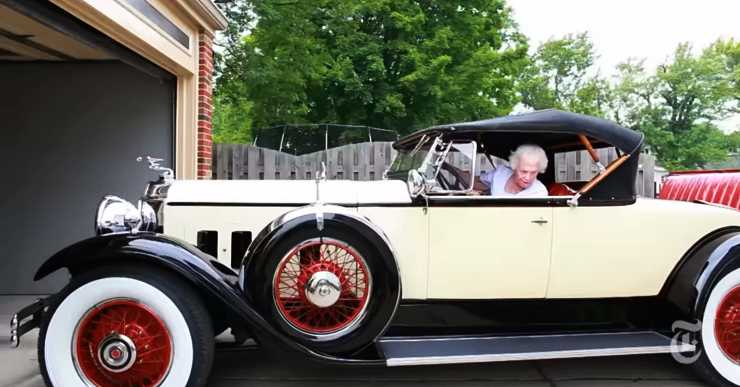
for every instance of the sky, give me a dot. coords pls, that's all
(649, 29)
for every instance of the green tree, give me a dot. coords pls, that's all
(232, 111)
(730, 51)
(231, 120)
(677, 106)
(560, 75)
(398, 64)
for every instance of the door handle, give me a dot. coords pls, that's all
(540, 221)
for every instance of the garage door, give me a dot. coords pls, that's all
(70, 134)
(73, 119)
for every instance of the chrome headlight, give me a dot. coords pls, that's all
(148, 217)
(118, 215)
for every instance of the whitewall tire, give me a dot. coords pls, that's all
(126, 328)
(721, 317)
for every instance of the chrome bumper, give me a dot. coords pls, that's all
(26, 319)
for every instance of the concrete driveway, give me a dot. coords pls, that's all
(255, 368)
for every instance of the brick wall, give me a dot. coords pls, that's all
(205, 106)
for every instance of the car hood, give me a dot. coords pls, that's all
(289, 192)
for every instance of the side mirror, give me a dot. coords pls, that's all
(415, 183)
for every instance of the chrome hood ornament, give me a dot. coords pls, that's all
(157, 190)
(155, 165)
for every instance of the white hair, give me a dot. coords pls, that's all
(531, 151)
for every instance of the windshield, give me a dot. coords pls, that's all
(458, 165)
(447, 167)
(408, 159)
(304, 139)
(456, 168)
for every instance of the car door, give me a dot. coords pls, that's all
(625, 250)
(485, 248)
(603, 252)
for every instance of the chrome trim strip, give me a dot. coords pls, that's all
(461, 338)
(460, 359)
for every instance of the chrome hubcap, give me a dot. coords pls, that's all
(323, 289)
(117, 353)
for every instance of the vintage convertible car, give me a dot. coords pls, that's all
(405, 271)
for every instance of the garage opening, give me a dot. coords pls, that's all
(76, 109)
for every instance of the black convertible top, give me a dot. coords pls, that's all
(555, 131)
(542, 121)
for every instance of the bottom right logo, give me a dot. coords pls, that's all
(684, 334)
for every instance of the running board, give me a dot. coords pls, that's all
(407, 351)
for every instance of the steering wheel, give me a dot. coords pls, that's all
(457, 184)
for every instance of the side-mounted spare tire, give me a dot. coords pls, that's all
(333, 290)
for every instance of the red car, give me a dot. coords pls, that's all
(711, 186)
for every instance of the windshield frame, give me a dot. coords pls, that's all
(432, 183)
(409, 157)
(431, 164)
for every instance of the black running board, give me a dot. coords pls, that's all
(407, 351)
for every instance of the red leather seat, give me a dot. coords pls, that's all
(560, 189)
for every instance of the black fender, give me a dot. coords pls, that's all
(214, 281)
(700, 268)
(314, 216)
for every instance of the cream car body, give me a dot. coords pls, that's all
(476, 252)
(250, 205)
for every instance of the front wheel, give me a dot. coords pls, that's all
(719, 362)
(126, 327)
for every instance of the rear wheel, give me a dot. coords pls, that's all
(329, 289)
(719, 362)
(126, 327)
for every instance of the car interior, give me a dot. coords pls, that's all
(575, 162)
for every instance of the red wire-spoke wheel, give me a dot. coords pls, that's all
(122, 342)
(727, 325)
(322, 287)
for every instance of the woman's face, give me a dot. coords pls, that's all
(526, 171)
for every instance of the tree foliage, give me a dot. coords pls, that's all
(232, 109)
(676, 106)
(407, 64)
(560, 75)
(398, 64)
(231, 120)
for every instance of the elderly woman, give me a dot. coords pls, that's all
(520, 179)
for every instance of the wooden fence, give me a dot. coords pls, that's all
(367, 161)
(363, 161)
(578, 166)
